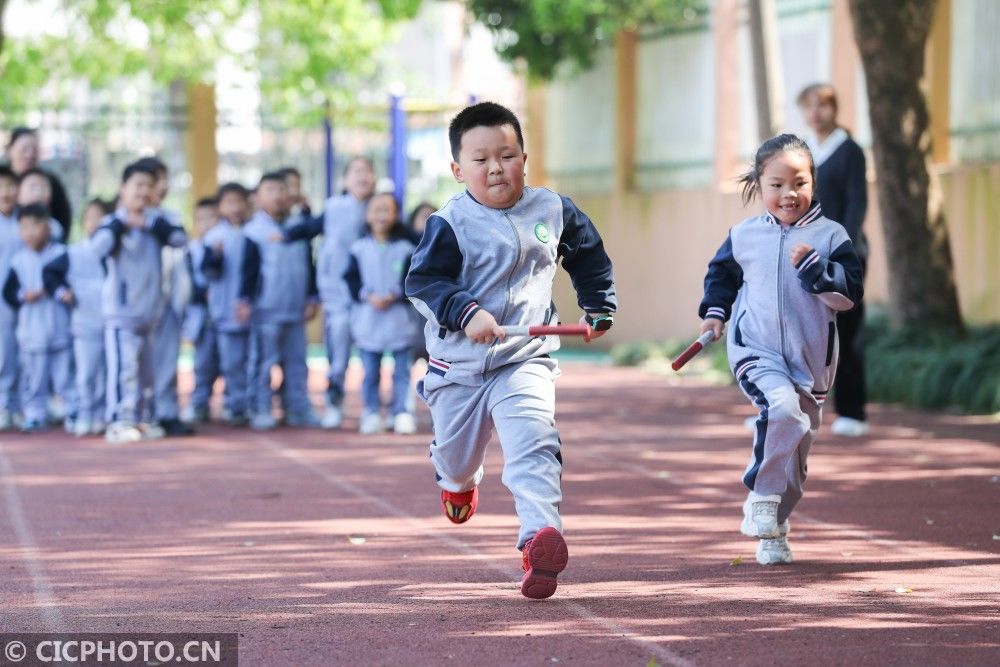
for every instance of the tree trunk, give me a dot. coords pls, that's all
(892, 37)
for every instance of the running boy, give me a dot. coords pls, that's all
(130, 241)
(782, 276)
(380, 319)
(197, 327)
(285, 300)
(81, 272)
(232, 267)
(43, 321)
(488, 258)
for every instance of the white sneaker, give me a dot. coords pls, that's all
(122, 432)
(151, 431)
(404, 424)
(774, 551)
(750, 423)
(333, 417)
(82, 427)
(6, 420)
(760, 516)
(371, 424)
(98, 426)
(850, 428)
(262, 422)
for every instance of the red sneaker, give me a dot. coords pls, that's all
(544, 556)
(459, 507)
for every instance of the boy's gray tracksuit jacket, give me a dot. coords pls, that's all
(474, 257)
(42, 326)
(784, 316)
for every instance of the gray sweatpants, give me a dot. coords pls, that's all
(206, 367)
(233, 349)
(44, 369)
(9, 365)
(168, 346)
(130, 371)
(91, 372)
(284, 344)
(519, 402)
(337, 334)
(784, 431)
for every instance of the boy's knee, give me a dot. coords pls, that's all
(786, 410)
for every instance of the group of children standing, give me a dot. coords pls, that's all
(100, 324)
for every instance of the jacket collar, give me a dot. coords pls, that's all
(814, 213)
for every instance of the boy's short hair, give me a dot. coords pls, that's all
(34, 171)
(207, 202)
(290, 171)
(272, 176)
(38, 210)
(156, 164)
(138, 167)
(8, 174)
(483, 114)
(231, 188)
(105, 205)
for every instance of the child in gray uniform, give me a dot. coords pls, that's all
(782, 277)
(130, 242)
(488, 258)
(380, 319)
(42, 323)
(81, 271)
(10, 243)
(198, 328)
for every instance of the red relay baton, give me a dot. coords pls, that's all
(692, 349)
(548, 330)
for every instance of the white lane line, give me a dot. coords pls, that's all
(44, 596)
(662, 653)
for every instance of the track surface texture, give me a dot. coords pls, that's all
(328, 548)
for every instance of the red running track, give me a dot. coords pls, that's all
(329, 548)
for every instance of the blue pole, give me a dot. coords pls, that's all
(397, 153)
(328, 157)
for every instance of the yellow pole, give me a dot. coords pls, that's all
(202, 156)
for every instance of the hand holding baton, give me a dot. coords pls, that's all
(549, 330)
(692, 349)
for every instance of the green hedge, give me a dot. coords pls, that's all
(912, 367)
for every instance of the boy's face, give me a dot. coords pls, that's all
(294, 185)
(381, 214)
(34, 189)
(491, 164)
(272, 197)
(359, 180)
(234, 207)
(8, 195)
(92, 217)
(160, 189)
(205, 217)
(34, 232)
(135, 193)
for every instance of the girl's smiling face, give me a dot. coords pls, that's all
(786, 185)
(381, 214)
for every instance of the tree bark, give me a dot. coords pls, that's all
(892, 38)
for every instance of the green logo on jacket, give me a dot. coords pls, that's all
(542, 232)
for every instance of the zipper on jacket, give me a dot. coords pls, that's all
(510, 277)
(781, 293)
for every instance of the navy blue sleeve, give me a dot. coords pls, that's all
(840, 274)
(54, 274)
(212, 263)
(434, 273)
(11, 287)
(107, 238)
(306, 230)
(168, 233)
(353, 277)
(312, 289)
(584, 258)
(199, 291)
(250, 271)
(855, 192)
(722, 282)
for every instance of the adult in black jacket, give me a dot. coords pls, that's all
(841, 187)
(22, 152)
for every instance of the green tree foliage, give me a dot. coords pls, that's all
(545, 33)
(301, 48)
